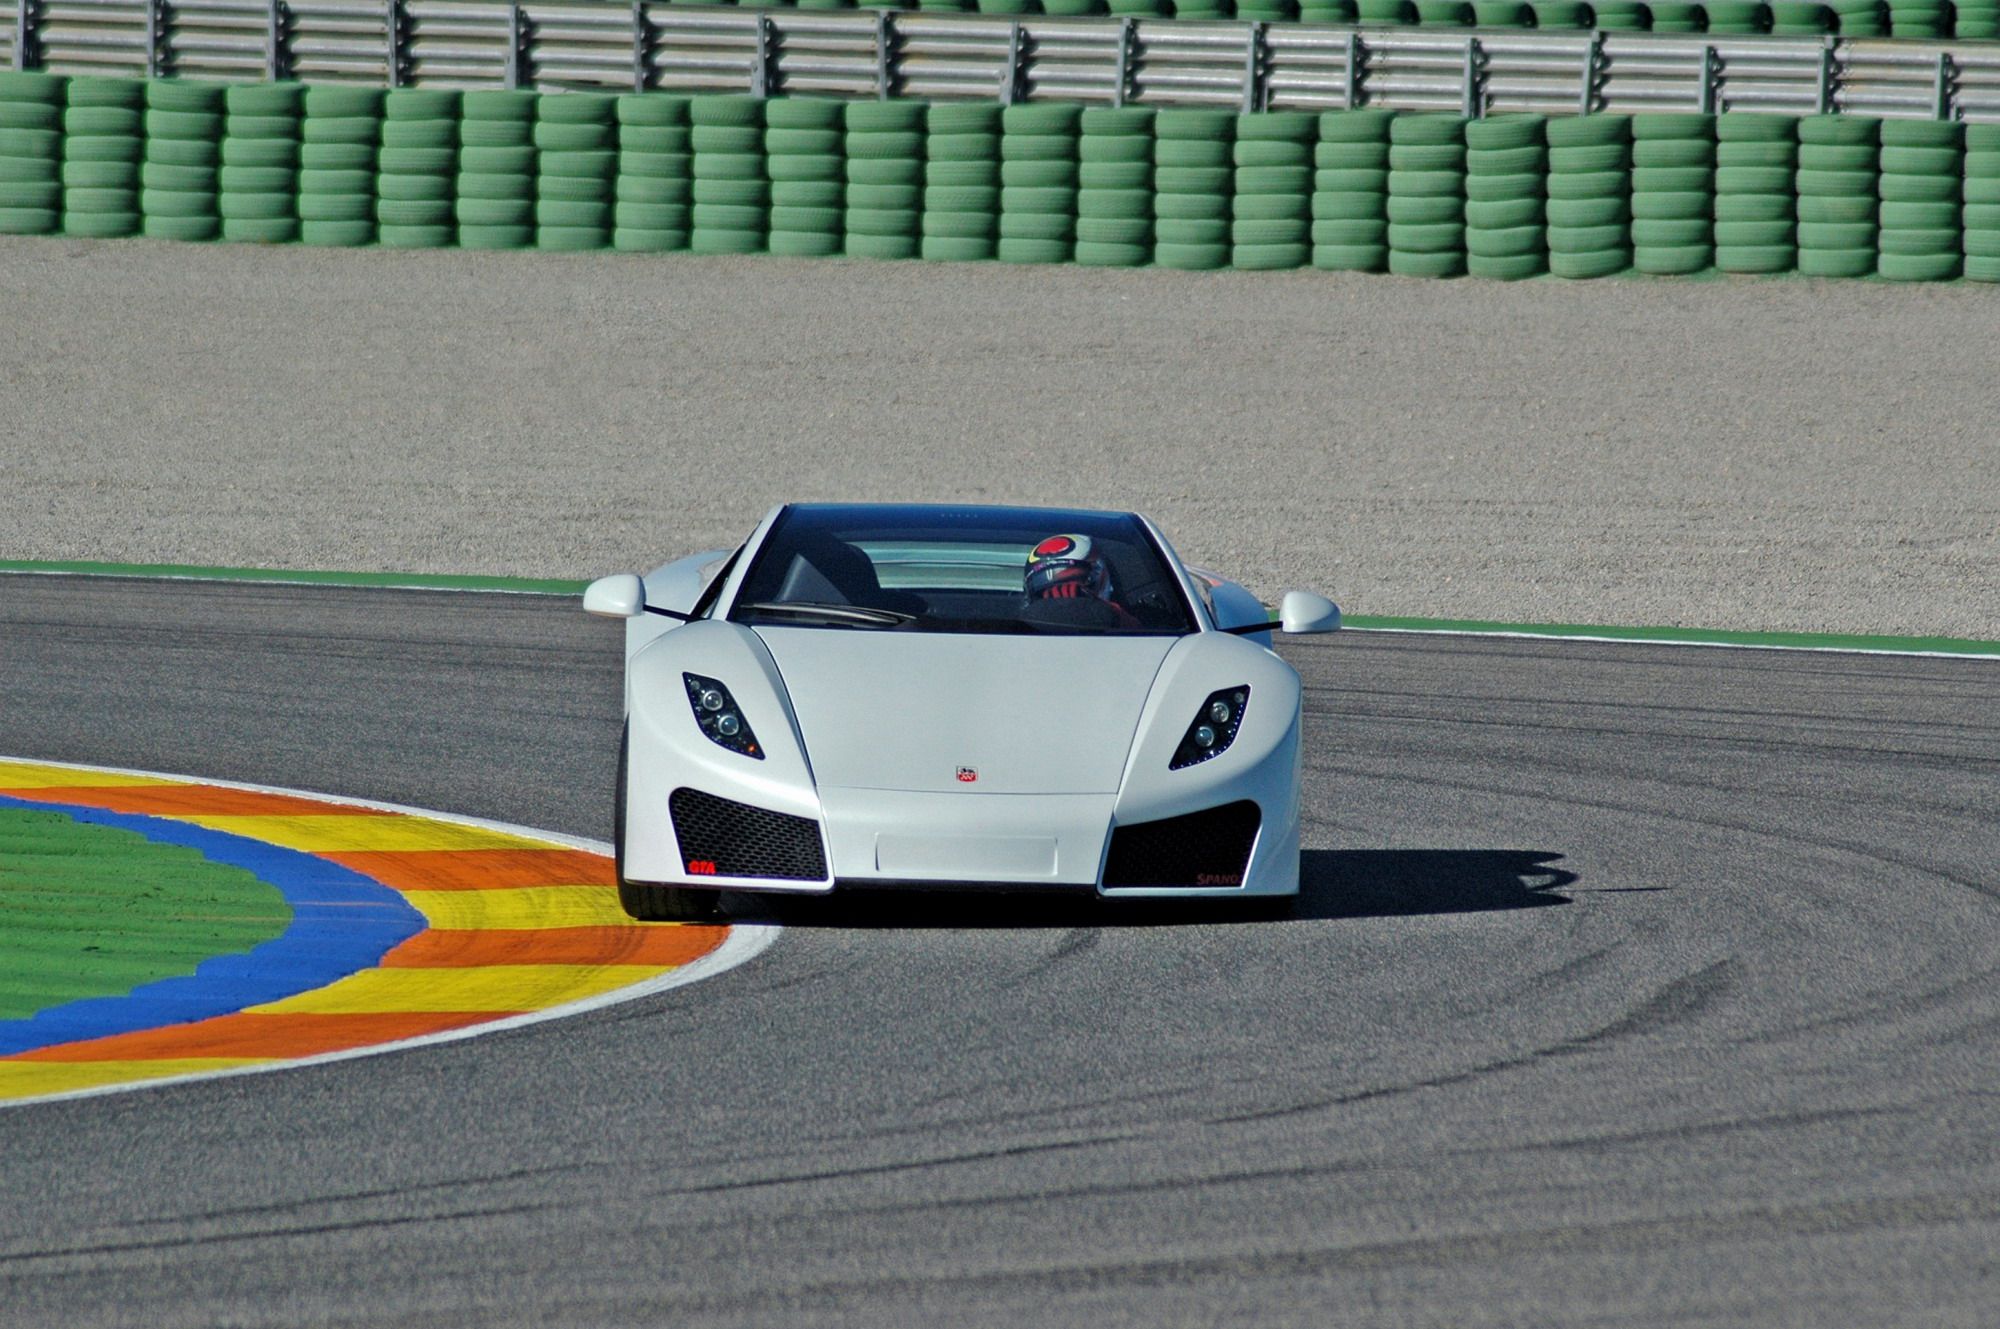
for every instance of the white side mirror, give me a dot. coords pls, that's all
(622, 595)
(1302, 611)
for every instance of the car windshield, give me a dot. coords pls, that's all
(970, 570)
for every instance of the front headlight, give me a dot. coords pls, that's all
(1214, 727)
(719, 716)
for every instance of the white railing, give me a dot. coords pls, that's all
(886, 53)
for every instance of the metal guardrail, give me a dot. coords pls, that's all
(885, 53)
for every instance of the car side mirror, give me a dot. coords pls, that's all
(1302, 611)
(622, 595)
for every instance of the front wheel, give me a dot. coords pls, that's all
(643, 900)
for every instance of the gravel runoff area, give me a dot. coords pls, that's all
(1777, 454)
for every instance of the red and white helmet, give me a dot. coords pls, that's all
(1063, 567)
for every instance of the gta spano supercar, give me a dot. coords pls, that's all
(936, 696)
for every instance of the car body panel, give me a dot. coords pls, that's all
(872, 735)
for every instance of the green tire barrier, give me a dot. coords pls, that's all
(1590, 195)
(103, 146)
(258, 183)
(339, 144)
(417, 172)
(1508, 197)
(806, 158)
(885, 179)
(1506, 193)
(494, 195)
(576, 170)
(31, 153)
(1350, 201)
(1673, 194)
(1271, 215)
(961, 221)
(1921, 19)
(179, 177)
(1839, 174)
(731, 191)
(1921, 192)
(1193, 174)
(1426, 204)
(1981, 216)
(1038, 161)
(1756, 164)
(1977, 20)
(653, 207)
(1114, 196)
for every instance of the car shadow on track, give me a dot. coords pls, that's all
(1334, 884)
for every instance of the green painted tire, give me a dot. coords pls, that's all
(1917, 267)
(726, 193)
(1590, 184)
(356, 129)
(962, 118)
(571, 215)
(29, 221)
(1505, 133)
(177, 204)
(819, 170)
(1506, 188)
(391, 236)
(1190, 231)
(956, 249)
(1104, 254)
(1441, 238)
(1755, 235)
(801, 244)
(414, 213)
(508, 236)
(495, 134)
(1116, 175)
(1673, 207)
(357, 157)
(1779, 209)
(109, 202)
(1349, 233)
(1506, 267)
(1672, 232)
(1038, 175)
(1425, 211)
(100, 225)
(340, 209)
(1440, 264)
(1507, 161)
(1587, 131)
(1837, 262)
(1838, 210)
(638, 241)
(651, 110)
(1061, 119)
(1672, 152)
(1427, 127)
(661, 217)
(101, 90)
(257, 207)
(1656, 126)
(1675, 261)
(1427, 184)
(970, 225)
(733, 165)
(260, 230)
(1756, 259)
(1505, 215)
(1026, 250)
(1588, 213)
(786, 194)
(645, 139)
(1672, 179)
(572, 239)
(1588, 265)
(1511, 242)
(101, 175)
(1350, 258)
(418, 161)
(476, 212)
(1355, 207)
(1191, 257)
(337, 234)
(963, 148)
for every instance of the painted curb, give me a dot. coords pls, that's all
(737, 943)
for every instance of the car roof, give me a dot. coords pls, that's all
(930, 514)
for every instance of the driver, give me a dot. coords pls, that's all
(1064, 567)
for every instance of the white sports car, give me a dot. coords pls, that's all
(935, 696)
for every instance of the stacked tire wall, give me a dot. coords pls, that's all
(1420, 194)
(258, 183)
(31, 154)
(1673, 194)
(339, 152)
(805, 156)
(1838, 182)
(1506, 197)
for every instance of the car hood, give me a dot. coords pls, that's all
(912, 711)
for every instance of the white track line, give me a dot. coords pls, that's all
(745, 942)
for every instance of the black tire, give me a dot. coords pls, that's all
(644, 900)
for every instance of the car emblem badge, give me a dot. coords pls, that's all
(968, 775)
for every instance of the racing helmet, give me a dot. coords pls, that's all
(1064, 567)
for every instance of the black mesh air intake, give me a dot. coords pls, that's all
(724, 839)
(1208, 848)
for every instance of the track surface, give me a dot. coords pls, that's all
(1632, 985)
(1753, 453)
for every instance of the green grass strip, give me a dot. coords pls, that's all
(1793, 641)
(95, 911)
(406, 581)
(433, 581)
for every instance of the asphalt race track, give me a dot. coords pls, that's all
(1632, 985)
